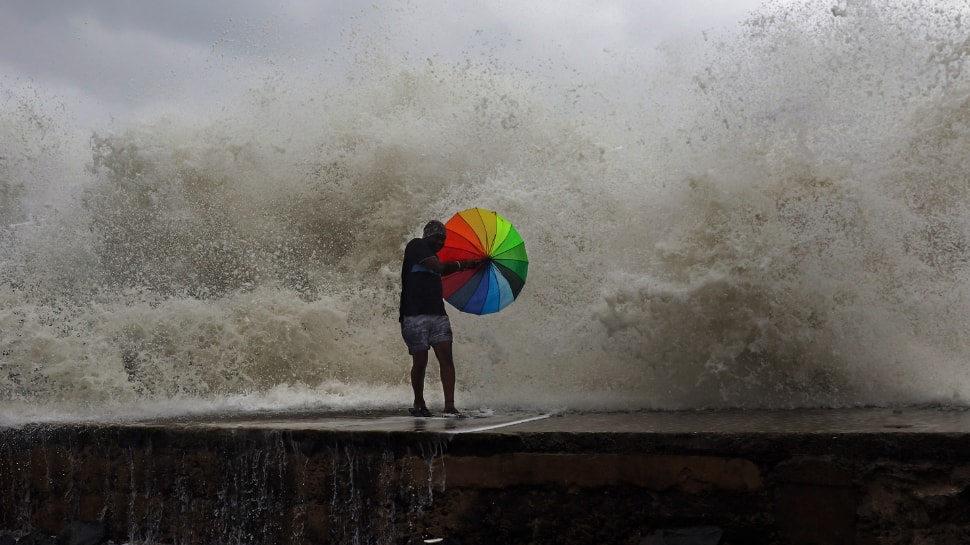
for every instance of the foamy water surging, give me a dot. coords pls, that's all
(779, 218)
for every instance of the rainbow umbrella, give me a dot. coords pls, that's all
(477, 233)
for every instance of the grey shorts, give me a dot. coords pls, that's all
(424, 331)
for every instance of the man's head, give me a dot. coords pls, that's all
(434, 233)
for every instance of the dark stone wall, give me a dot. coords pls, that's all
(195, 484)
(156, 485)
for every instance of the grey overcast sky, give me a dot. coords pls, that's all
(125, 59)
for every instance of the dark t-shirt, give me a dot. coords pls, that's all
(420, 286)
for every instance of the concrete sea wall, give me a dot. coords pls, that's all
(553, 481)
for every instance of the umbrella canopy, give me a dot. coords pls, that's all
(477, 233)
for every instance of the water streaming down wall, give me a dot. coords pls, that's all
(171, 485)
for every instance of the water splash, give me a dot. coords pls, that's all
(775, 217)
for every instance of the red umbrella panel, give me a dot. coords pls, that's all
(477, 233)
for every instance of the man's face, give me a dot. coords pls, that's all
(436, 242)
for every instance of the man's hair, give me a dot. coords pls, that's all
(434, 227)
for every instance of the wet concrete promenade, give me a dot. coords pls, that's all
(798, 421)
(852, 476)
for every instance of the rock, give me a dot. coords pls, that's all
(36, 538)
(83, 533)
(698, 535)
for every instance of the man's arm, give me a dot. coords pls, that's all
(445, 268)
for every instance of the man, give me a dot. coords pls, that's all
(424, 323)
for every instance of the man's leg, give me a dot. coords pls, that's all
(419, 363)
(442, 351)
